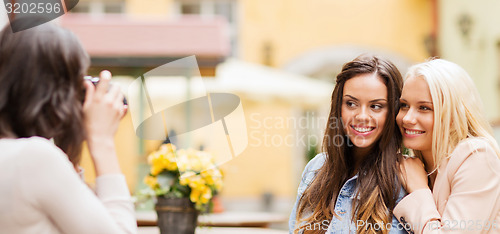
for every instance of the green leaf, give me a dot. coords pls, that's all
(183, 189)
(177, 194)
(160, 192)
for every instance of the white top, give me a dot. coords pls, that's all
(40, 192)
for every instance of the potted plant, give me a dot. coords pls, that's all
(183, 183)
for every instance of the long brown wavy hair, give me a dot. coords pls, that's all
(41, 85)
(377, 184)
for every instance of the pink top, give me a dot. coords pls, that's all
(465, 197)
(40, 192)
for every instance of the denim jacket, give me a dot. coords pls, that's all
(343, 206)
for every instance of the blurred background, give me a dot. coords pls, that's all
(281, 58)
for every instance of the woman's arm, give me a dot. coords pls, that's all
(473, 202)
(62, 195)
(307, 176)
(103, 108)
(51, 185)
(396, 226)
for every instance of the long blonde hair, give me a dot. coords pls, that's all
(458, 110)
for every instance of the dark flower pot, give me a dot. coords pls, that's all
(176, 215)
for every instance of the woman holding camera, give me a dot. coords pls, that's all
(46, 112)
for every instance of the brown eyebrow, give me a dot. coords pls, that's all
(376, 100)
(420, 102)
(347, 95)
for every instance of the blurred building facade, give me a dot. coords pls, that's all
(470, 37)
(276, 32)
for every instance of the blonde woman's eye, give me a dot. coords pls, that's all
(425, 108)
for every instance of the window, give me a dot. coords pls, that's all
(81, 7)
(114, 7)
(190, 9)
(224, 9)
(100, 7)
(211, 8)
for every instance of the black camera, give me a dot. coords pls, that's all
(95, 81)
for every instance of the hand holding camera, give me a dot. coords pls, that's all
(103, 109)
(103, 105)
(95, 82)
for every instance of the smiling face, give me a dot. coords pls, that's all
(364, 110)
(416, 116)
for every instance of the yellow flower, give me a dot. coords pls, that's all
(206, 195)
(185, 178)
(195, 195)
(201, 195)
(196, 182)
(196, 169)
(171, 162)
(156, 169)
(151, 181)
(156, 161)
(211, 176)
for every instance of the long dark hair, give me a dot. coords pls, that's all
(41, 85)
(377, 184)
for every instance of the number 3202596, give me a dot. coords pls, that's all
(33, 8)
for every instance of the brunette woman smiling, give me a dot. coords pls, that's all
(353, 186)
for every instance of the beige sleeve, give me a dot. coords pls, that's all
(471, 207)
(56, 189)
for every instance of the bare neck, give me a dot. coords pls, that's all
(430, 166)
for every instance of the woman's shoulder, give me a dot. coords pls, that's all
(311, 170)
(473, 142)
(316, 163)
(35, 143)
(31, 149)
(474, 150)
(472, 145)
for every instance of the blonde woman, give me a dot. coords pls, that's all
(457, 188)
